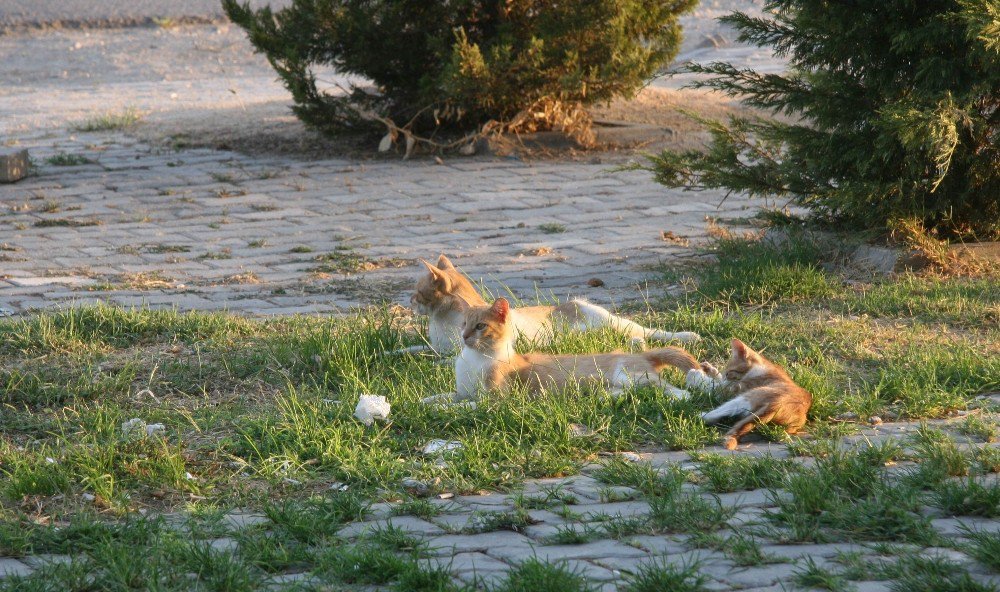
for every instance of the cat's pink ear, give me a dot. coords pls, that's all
(444, 263)
(500, 309)
(739, 349)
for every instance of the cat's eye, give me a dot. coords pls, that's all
(480, 326)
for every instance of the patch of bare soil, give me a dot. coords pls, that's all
(654, 120)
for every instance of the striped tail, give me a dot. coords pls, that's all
(671, 356)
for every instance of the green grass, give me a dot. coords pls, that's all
(688, 513)
(934, 574)
(723, 474)
(659, 576)
(811, 576)
(109, 121)
(985, 547)
(536, 576)
(258, 414)
(64, 159)
(846, 496)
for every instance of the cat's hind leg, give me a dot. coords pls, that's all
(743, 427)
(738, 407)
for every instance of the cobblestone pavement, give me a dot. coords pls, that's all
(454, 536)
(111, 218)
(208, 230)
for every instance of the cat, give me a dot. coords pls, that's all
(444, 294)
(489, 363)
(761, 391)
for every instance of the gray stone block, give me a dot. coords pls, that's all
(13, 567)
(14, 165)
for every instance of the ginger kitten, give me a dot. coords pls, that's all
(444, 294)
(488, 360)
(762, 392)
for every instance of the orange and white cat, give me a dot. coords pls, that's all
(488, 361)
(761, 391)
(444, 294)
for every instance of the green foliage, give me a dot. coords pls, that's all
(462, 61)
(893, 112)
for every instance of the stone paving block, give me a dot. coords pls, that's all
(756, 576)
(483, 542)
(13, 567)
(811, 550)
(36, 561)
(597, 550)
(239, 520)
(658, 544)
(590, 571)
(490, 500)
(633, 563)
(872, 586)
(465, 562)
(224, 544)
(624, 509)
(31, 282)
(410, 524)
(455, 522)
(958, 526)
(756, 497)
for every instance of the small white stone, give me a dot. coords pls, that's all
(436, 446)
(134, 427)
(371, 408)
(155, 428)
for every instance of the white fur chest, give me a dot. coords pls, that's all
(445, 331)
(471, 368)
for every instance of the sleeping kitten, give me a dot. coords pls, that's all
(761, 391)
(488, 360)
(444, 294)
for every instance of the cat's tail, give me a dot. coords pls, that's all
(670, 356)
(591, 315)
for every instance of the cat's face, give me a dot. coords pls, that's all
(743, 360)
(435, 288)
(485, 328)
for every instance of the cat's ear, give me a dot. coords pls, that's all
(445, 263)
(443, 281)
(740, 349)
(500, 309)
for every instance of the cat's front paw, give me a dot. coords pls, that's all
(710, 370)
(729, 443)
(697, 379)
